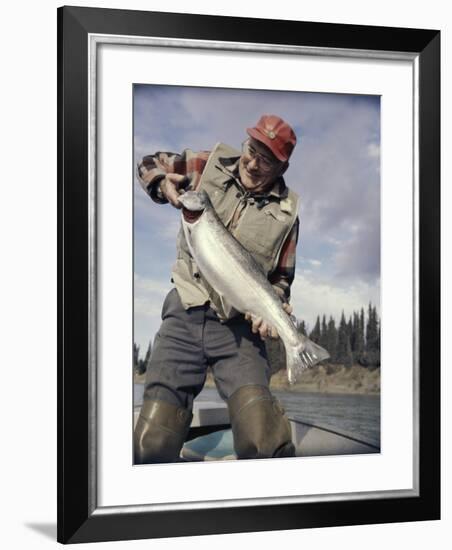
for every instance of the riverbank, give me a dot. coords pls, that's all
(323, 379)
(332, 379)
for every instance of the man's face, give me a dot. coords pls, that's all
(258, 167)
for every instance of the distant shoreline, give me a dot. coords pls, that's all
(322, 379)
(332, 379)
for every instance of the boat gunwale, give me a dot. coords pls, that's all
(347, 435)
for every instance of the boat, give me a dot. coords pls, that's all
(210, 437)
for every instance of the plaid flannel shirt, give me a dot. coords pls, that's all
(152, 170)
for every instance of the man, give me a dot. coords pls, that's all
(198, 330)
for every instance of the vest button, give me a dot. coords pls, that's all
(196, 275)
(238, 195)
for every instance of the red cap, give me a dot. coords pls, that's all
(276, 134)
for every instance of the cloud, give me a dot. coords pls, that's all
(312, 296)
(315, 263)
(359, 255)
(334, 168)
(373, 150)
(149, 294)
(157, 221)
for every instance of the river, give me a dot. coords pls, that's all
(356, 414)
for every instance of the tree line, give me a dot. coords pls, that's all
(354, 341)
(140, 365)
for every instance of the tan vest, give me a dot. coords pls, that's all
(262, 230)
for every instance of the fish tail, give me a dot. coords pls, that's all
(295, 363)
(302, 356)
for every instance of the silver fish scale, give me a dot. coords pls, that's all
(236, 276)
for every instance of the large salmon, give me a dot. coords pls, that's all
(236, 276)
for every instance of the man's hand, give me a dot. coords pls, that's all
(265, 330)
(170, 187)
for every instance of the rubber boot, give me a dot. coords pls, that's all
(259, 426)
(160, 432)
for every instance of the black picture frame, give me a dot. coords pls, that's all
(79, 518)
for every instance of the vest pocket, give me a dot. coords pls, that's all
(262, 237)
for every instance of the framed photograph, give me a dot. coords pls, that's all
(204, 161)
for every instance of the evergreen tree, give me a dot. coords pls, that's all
(377, 346)
(148, 353)
(370, 329)
(355, 329)
(143, 364)
(362, 326)
(341, 349)
(350, 331)
(302, 328)
(331, 340)
(372, 338)
(315, 333)
(358, 336)
(324, 333)
(343, 353)
(354, 341)
(136, 357)
(374, 343)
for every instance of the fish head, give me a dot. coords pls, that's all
(194, 203)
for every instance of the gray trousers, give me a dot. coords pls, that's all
(191, 340)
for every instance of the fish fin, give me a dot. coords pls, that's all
(228, 308)
(306, 354)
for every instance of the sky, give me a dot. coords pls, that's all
(335, 168)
